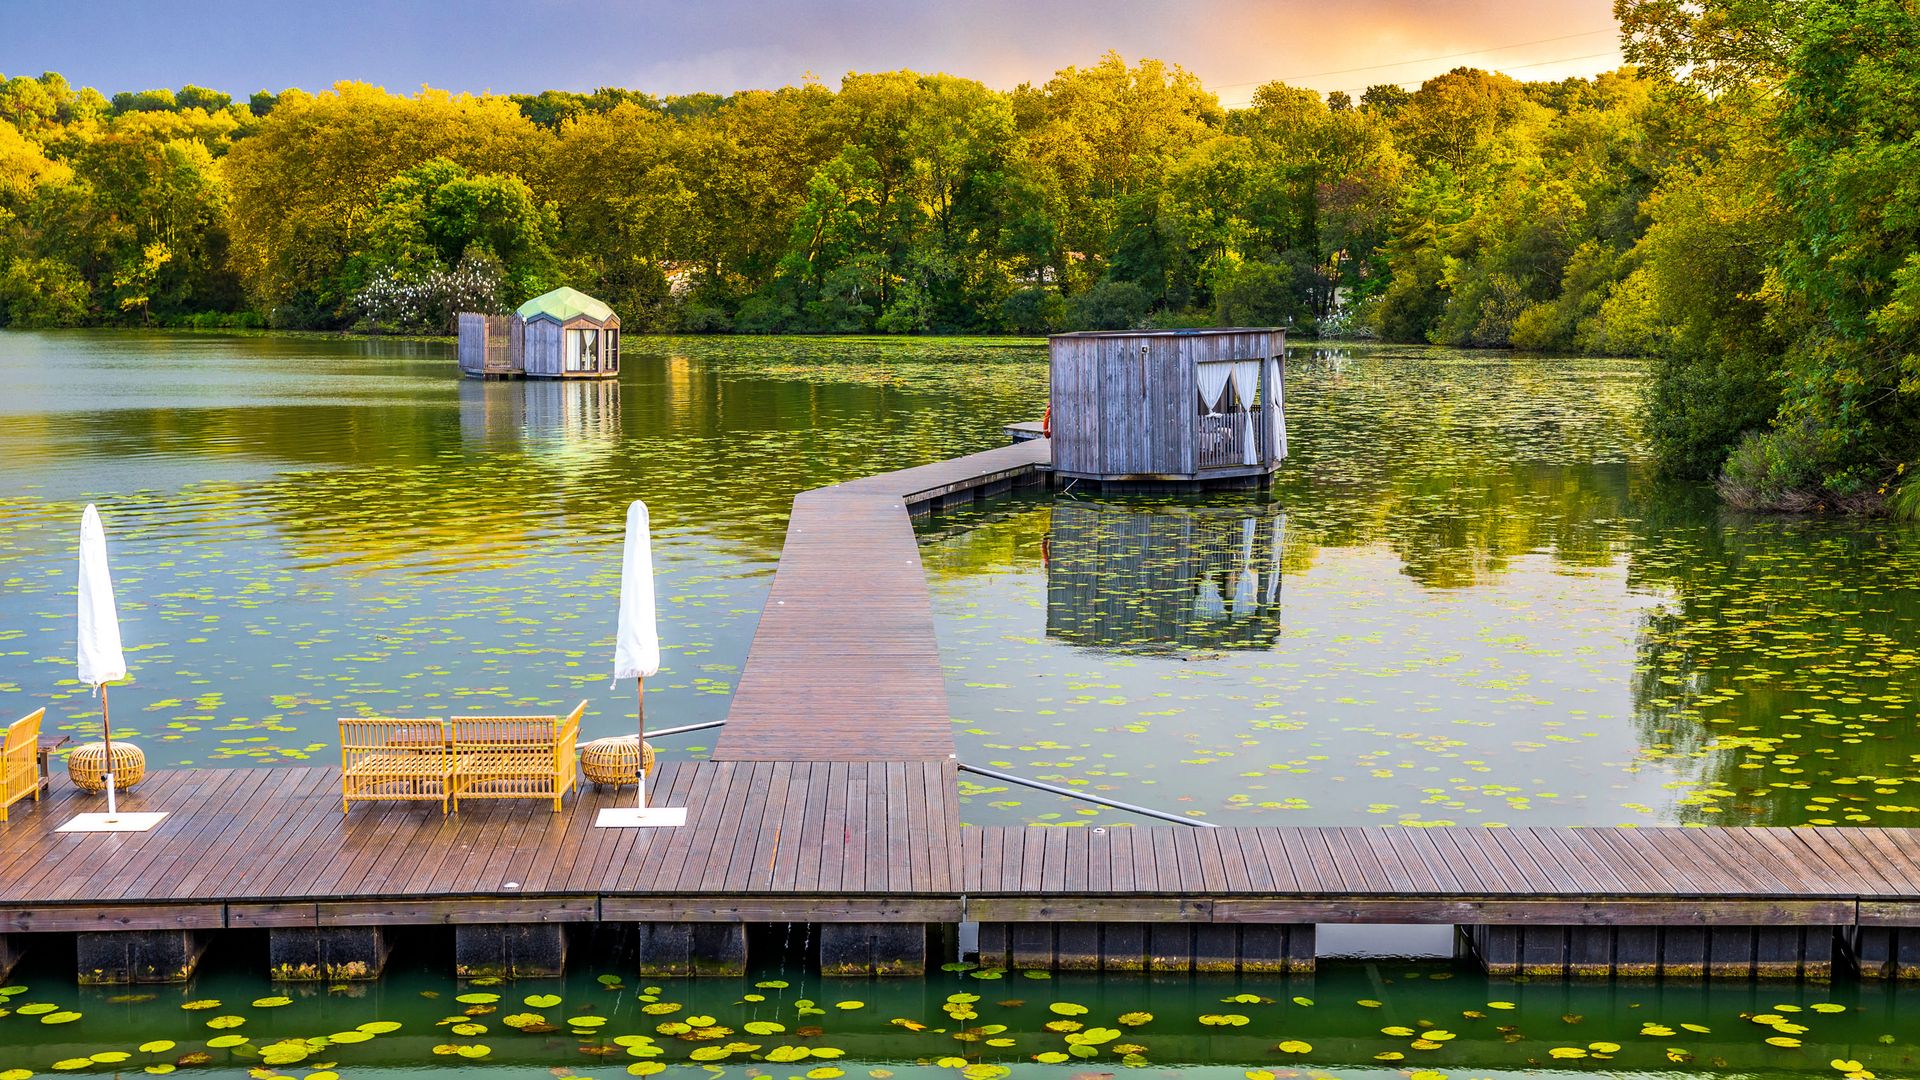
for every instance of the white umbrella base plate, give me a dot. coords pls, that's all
(641, 817)
(122, 822)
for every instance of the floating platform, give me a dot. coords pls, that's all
(832, 800)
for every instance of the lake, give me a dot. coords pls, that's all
(1466, 599)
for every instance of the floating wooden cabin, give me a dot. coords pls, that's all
(1170, 407)
(564, 334)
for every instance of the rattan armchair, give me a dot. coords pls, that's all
(515, 757)
(20, 767)
(387, 759)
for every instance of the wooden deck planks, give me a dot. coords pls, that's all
(844, 664)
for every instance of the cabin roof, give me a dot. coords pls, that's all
(1211, 331)
(564, 303)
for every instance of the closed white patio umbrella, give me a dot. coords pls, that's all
(101, 661)
(636, 655)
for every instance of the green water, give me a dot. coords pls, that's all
(305, 528)
(1465, 601)
(1356, 1020)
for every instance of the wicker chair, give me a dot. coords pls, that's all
(515, 757)
(20, 768)
(385, 759)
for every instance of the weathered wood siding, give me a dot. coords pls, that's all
(489, 344)
(1126, 404)
(543, 348)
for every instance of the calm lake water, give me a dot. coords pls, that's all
(1465, 600)
(305, 528)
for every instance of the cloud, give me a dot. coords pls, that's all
(720, 45)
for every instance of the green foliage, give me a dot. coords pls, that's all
(42, 293)
(1033, 310)
(1110, 305)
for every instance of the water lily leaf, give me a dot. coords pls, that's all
(541, 1001)
(763, 1027)
(224, 1042)
(477, 999)
(1067, 1008)
(157, 1046)
(65, 1016)
(378, 1027)
(110, 1057)
(1135, 1019)
(1295, 1046)
(271, 1002)
(645, 1068)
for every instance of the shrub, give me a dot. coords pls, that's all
(1033, 310)
(1110, 305)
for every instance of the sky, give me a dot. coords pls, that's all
(685, 46)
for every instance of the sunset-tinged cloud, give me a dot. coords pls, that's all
(678, 47)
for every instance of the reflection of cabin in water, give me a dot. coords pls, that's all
(1135, 580)
(574, 416)
(564, 334)
(1173, 407)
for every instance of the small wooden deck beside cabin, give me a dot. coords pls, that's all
(831, 799)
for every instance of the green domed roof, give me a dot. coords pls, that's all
(563, 303)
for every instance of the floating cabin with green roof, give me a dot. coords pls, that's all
(564, 334)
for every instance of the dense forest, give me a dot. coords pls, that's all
(1742, 204)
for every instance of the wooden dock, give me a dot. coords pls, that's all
(831, 800)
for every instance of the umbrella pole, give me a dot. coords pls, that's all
(640, 748)
(106, 728)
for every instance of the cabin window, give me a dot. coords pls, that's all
(583, 350)
(613, 349)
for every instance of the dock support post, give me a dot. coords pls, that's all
(327, 953)
(1674, 952)
(510, 950)
(676, 949)
(873, 948)
(12, 947)
(1886, 952)
(120, 957)
(1264, 948)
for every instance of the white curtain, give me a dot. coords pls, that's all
(1246, 375)
(1276, 409)
(1213, 379)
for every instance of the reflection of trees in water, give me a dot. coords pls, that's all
(716, 438)
(1782, 672)
(1148, 580)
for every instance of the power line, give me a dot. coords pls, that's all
(1429, 59)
